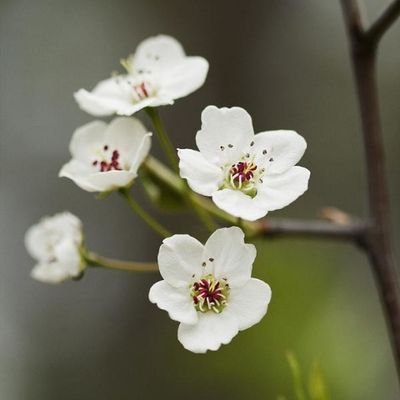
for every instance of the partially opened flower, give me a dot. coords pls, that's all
(247, 175)
(55, 242)
(158, 73)
(107, 157)
(209, 288)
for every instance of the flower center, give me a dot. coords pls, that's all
(242, 172)
(107, 163)
(209, 294)
(244, 175)
(142, 90)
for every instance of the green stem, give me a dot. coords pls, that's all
(175, 183)
(135, 206)
(201, 212)
(172, 158)
(163, 137)
(95, 260)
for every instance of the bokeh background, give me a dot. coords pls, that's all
(286, 63)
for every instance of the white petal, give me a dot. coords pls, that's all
(78, 172)
(95, 182)
(176, 301)
(225, 133)
(283, 149)
(67, 253)
(41, 238)
(92, 104)
(86, 140)
(36, 243)
(202, 176)
(232, 257)
(179, 258)
(156, 53)
(240, 205)
(183, 78)
(110, 180)
(209, 333)
(106, 97)
(110, 96)
(50, 273)
(280, 190)
(132, 140)
(249, 303)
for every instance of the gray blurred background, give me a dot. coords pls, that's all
(286, 63)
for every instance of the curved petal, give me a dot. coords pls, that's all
(239, 204)
(156, 53)
(87, 139)
(249, 303)
(67, 253)
(113, 95)
(176, 301)
(97, 181)
(92, 104)
(180, 260)
(36, 243)
(278, 191)
(278, 150)
(202, 176)
(225, 134)
(41, 238)
(184, 78)
(110, 180)
(209, 333)
(131, 138)
(50, 273)
(231, 257)
(77, 172)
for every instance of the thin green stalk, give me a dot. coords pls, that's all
(175, 183)
(163, 137)
(135, 206)
(201, 212)
(95, 260)
(170, 152)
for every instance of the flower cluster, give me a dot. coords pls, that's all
(207, 288)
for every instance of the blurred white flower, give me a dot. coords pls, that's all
(247, 175)
(158, 73)
(55, 243)
(107, 157)
(209, 288)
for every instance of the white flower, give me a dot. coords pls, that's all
(107, 157)
(247, 175)
(55, 243)
(158, 73)
(209, 288)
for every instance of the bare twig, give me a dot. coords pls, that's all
(384, 22)
(379, 248)
(353, 231)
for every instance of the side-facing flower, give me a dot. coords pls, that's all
(158, 73)
(246, 175)
(107, 157)
(56, 242)
(209, 288)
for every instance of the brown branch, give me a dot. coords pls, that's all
(384, 22)
(354, 231)
(379, 248)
